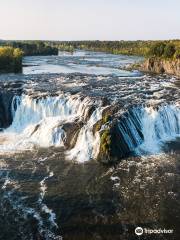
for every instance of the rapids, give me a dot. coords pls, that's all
(52, 118)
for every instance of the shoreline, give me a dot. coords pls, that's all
(157, 66)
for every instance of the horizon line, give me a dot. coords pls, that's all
(94, 40)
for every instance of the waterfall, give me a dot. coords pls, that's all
(27, 110)
(145, 129)
(159, 126)
(39, 121)
(129, 127)
(87, 144)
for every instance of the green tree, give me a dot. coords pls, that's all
(157, 49)
(169, 50)
(10, 59)
(17, 55)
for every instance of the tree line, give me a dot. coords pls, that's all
(164, 49)
(12, 52)
(32, 48)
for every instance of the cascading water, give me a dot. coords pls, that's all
(40, 121)
(87, 145)
(33, 110)
(159, 126)
(144, 130)
(130, 129)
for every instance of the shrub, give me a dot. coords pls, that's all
(157, 49)
(10, 59)
(169, 50)
(177, 54)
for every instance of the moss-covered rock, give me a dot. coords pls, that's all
(106, 118)
(105, 146)
(106, 141)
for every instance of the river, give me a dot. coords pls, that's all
(51, 184)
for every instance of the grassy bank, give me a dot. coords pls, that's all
(10, 60)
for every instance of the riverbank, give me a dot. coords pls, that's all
(158, 65)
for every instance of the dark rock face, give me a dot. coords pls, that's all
(5, 109)
(155, 65)
(122, 135)
(72, 129)
(114, 147)
(8, 89)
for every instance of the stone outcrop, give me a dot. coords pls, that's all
(5, 109)
(157, 65)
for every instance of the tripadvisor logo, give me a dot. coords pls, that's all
(139, 231)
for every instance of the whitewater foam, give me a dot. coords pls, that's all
(146, 129)
(39, 121)
(159, 126)
(44, 207)
(19, 204)
(87, 144)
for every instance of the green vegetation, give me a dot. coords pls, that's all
(11, 53)
(105, 138)
(33, 48)
(162, 49)
(157, 49)
(167, 50)
(115, 47)
(67, 48)
(10, 59)
(105, 146)
(177, 54)
(106, 118)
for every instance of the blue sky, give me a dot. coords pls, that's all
(89, 19)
